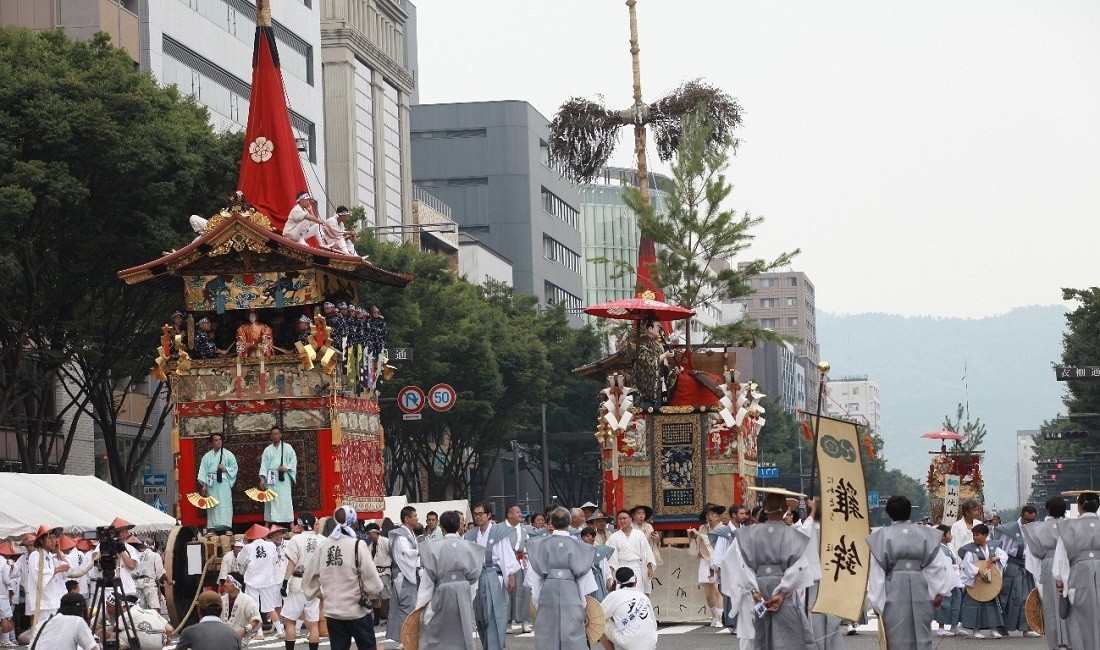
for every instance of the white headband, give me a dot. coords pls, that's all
(346, 528)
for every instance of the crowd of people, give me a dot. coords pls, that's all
(54, 594)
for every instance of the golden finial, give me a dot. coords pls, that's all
(823, 367)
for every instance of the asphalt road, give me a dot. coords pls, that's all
(700, 637)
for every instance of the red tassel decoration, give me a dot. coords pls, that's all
(869, 445)
(807, 432)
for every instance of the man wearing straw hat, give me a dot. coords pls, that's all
(44, 582)
(258, 561)
(7, 628)
(450, 570)
(907, 567)
(771, 572)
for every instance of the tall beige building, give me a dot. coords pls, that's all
(368, 52)
(784, 302)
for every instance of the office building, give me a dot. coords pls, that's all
(784, 302)
(775, 368)
(368, 49)
(489, 162)
(480, 264)
(855, 398)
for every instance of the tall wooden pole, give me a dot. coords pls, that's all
(640, 111)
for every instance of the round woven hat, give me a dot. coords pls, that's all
(1033, 612)
(410, 630)
(983, 591)
(594, 619)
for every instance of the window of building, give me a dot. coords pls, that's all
(555, 295)
(238, 18)
(792, 322)
(364, 142)
(794, 281)
(449, 133)
(855, 390)
(769, 302)
(220, 91)
(768, 323)
(791, 301)
(556, 251)
(769, 282)
(554, 205)
(391, 124)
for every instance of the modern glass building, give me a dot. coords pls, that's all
(609, 231)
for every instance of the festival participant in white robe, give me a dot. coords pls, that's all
(148, 575)
(771, 572)
(406, 563)
(601, 568)
(7, 628)
(258, 561)
(151, 628)
(383, 562)
(302, 222)
(1077, 571)
(217, 476)
(520, 602)
(950, 611)
(240, 611)
(498, 576)
(826, 628)
(296, 606)
(229, 561)
(631, 549)
(970, 515)
(641, 516)
(560, 577)
(631, 622)
(68, 629)
(450, 569)
(909, 577)
(335, 236)
(700, 547)
(278, 472)
(276, 535)
(1042, 540)
(978, 616)
(44, 582)
(1017, 582)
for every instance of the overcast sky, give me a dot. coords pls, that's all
(929, 158)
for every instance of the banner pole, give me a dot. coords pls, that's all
(822, 369)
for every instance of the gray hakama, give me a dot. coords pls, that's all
(602, 553)
(951, 607)
(975, 615)
(491, 601)
(1042, 538)
(452, 565)
(1081, 542)
(1016, 583)
(520, 600)
(903, 550)
(559, 561)
(403, 592)
(826, 629)
(769, 550)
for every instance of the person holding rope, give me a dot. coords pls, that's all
(240, 611)
(44, 581)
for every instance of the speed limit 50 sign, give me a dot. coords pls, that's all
(441, 397)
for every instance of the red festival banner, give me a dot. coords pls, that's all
(271, 172)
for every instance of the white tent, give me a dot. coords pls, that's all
(75, 503)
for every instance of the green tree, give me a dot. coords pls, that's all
(973, 430)
(697, 236)
(98, 169)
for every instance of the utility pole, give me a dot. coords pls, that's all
(545, 464)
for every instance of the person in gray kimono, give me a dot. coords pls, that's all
(1042, 538)
(560, 576)
(770, 570)
(1077, 571)
(1016, 583)
(450, 568)
(826, 628)
(406, 560)
(601, 568)
(909, 577)
(497, 578)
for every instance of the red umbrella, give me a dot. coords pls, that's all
(944, 434)
(639, 309)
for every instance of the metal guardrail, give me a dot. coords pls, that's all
(420, 194)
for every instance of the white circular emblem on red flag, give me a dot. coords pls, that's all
(261, 149)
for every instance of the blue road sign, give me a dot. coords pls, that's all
(154, 479)
(158, 503)
(872, 498)
(767, 472)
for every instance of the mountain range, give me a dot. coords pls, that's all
(1000, 366)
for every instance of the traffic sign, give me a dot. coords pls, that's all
(410, 399)
(767, 472)
(872, 498)
(442, 397)
(411, 416)
(155, 483)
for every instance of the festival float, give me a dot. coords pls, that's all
(954, 475)
(244, 274)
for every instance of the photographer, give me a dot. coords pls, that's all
(115, 543)
(343, 571)
(66, 629)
